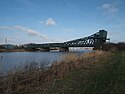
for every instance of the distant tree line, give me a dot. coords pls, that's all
(1, 47)
(114, 46)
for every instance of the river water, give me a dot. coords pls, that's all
(10, 60)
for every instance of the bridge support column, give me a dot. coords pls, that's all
(64, 49)
(45, 49)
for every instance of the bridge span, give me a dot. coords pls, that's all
(95, 40)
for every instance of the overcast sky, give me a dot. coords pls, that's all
(43, 21)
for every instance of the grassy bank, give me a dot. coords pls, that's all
(92, 73)
(104, 77)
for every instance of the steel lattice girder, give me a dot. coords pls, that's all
(90, 41)
(93, 40)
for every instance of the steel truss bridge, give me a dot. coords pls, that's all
(95, 40)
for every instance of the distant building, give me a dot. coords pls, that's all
(8, 46)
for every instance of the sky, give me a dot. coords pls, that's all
(45, 21)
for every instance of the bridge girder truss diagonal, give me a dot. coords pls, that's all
(96, 39)
(93, 40)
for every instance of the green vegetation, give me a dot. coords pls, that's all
(105, 77)
(92, 73)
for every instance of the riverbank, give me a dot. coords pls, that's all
(15, 50)
(92, 73)
(106, 76)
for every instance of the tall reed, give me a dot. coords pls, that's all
(32, 75)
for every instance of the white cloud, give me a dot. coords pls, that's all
(49, 22)
(5, 28)
(29, 31)
(24, 29)
(109, 8)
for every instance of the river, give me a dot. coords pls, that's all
(10, 60)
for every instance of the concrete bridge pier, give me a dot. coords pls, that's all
(64, 49)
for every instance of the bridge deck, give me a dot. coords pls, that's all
(94, 40)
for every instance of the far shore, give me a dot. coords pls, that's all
(15, 50)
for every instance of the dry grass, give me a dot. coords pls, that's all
(32, 76)
(71, 62)
(70, 57)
